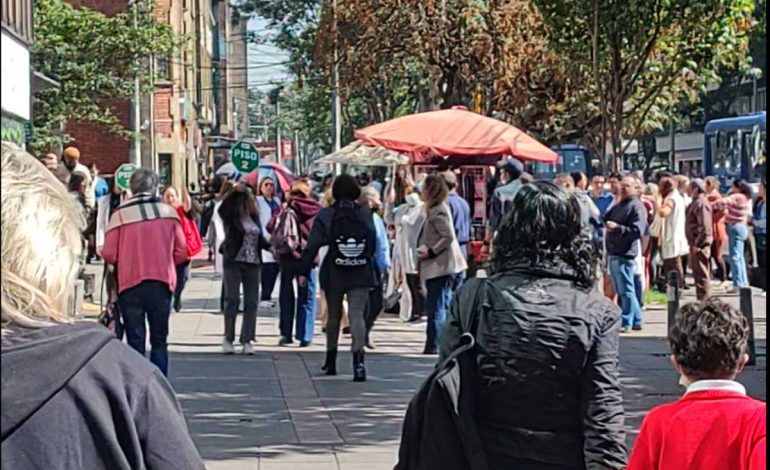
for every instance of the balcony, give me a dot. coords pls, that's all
(17, 19)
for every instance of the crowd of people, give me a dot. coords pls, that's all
(538, 336)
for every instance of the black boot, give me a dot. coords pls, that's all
(330, 366)
(359, 371)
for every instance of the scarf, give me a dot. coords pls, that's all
(140, 208)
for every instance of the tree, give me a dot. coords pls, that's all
(408, 55)
(95, 59)
(637, 60)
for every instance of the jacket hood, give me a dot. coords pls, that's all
(306, 209)
(39, 362)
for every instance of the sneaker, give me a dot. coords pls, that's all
(248, 349)
(267, 304)
(304, 344)
(637, 327)
(227, 347)
(283, 341)
(624, 329)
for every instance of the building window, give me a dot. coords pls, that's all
(162, 68)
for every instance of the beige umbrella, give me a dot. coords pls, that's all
(359, 154)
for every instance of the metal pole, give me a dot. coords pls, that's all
(336, 93)
(747, 308)
(754, 93)
(673, 145)
(278, 142)
(137, 156)
(153, 154)
(673, 297)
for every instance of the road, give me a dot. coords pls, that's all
(275, 410)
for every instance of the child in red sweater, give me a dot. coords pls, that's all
(714, 426)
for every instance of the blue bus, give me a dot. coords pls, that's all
(572, 158)
(734, 148)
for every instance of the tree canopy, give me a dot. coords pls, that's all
(95, 59)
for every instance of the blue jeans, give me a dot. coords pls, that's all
(622, 274)
(458, 280)
(639, 289)
(738, 233)
(150, 299)
(303, 305)
(437, 301)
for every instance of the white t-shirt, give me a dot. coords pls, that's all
(674, 238)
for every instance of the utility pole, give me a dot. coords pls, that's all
(336, 92)
(136, 157)
(278, 141)
(673, 145)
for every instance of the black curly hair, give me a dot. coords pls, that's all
(542, 230)
(708, 339)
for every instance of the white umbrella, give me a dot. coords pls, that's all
(227, 169)
(359, 154)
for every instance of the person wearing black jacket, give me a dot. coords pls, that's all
(73, 396)
(626, 223)
(242, 259)
(348, 229)
(547, 392)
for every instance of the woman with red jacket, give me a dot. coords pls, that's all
(191, 234)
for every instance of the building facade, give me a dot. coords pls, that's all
(17, 35)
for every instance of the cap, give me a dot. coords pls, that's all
(71, 152)
(449, 178)
(512, 166)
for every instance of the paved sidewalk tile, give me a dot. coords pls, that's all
(276, 410)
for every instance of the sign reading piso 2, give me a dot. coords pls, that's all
(123, 175)
(245, 157)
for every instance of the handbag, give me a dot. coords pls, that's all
(656, 228)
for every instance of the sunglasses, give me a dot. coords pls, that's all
(269, 184)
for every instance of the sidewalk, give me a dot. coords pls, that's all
(275, 410)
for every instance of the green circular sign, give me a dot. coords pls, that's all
(244, 156)
(123, 175)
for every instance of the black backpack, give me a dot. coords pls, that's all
(352, 243)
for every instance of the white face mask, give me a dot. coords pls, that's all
(413, 199)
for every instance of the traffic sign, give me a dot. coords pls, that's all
(123, 175)
(245, 156)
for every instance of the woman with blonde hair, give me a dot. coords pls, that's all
(182, 203)
(440, 258)
(64, 381)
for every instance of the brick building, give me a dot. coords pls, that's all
(186, 105)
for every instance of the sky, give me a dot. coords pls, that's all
(260, 56)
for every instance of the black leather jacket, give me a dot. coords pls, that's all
(548, 393)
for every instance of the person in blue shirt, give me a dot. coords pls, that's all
(460, 211)
(101, 188)
(370, 198)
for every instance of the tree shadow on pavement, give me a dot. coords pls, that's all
(246, 407)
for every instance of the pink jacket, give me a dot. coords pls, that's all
(146, 251)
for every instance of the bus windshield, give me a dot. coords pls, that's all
(570, 161)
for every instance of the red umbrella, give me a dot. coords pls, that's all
(456, 132)
(282, 176)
